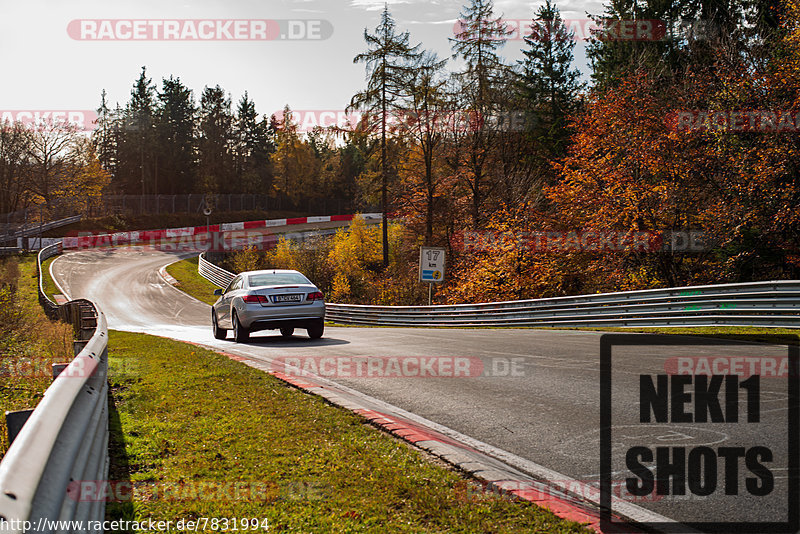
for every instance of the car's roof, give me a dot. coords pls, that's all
(270, 271)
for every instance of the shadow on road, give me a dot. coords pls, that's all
(297, 340)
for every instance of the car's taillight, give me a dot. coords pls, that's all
(316, 295)
(254, 299)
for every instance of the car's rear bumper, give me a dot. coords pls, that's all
(256, 317)
(273, 324)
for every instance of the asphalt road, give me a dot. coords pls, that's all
(546, 411)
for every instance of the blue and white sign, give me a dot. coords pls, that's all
(431, 264)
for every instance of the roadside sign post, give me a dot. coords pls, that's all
(431, 267)
(208, 209)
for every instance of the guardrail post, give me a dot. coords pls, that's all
(77, 345)
(14, 422)
(58, 367)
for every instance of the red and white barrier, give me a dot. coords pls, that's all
(151, 236)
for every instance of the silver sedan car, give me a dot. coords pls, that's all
(272, 299)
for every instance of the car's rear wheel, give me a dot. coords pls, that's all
(316, 329)
(219, 333)
(287, 332)
(240, 333)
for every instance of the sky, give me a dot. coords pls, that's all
(56, 55)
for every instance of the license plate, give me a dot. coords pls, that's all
(286, 298)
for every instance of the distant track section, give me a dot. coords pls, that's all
(772, 304)
(150, 236)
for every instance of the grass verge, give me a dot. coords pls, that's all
(185, 272)
(188, 418)
(50, 288)
(29, 342)
(728, 332)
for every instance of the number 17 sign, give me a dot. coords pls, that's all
(431, 264)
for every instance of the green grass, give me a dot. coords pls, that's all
(185, 272)
(50, 287)
(711, 330)
(185, 415)
(744, 333)
(29, 344)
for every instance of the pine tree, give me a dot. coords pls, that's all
(135, 140)
(215, 139)
(548, 85)
(388, 60)
(175, 121)
(694, 32)
(103, 137)
(480, 36)
(253, 146)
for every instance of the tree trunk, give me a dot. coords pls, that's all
(384, 180)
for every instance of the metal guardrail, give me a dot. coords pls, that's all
(212, 273)
(35, 229)
(65, 438)
(220, 277)
(775, 303)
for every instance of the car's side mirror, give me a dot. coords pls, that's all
(217, 292)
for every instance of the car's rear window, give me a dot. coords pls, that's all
(275, 279)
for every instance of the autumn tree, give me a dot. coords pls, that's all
(83, 180)
(14, 145)
(480, 35)
(296, 165)
(426, 111)
(51, 153)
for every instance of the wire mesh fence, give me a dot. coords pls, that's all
(196, 203)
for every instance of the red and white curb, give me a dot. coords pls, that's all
(168, 278)
(498, 470)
